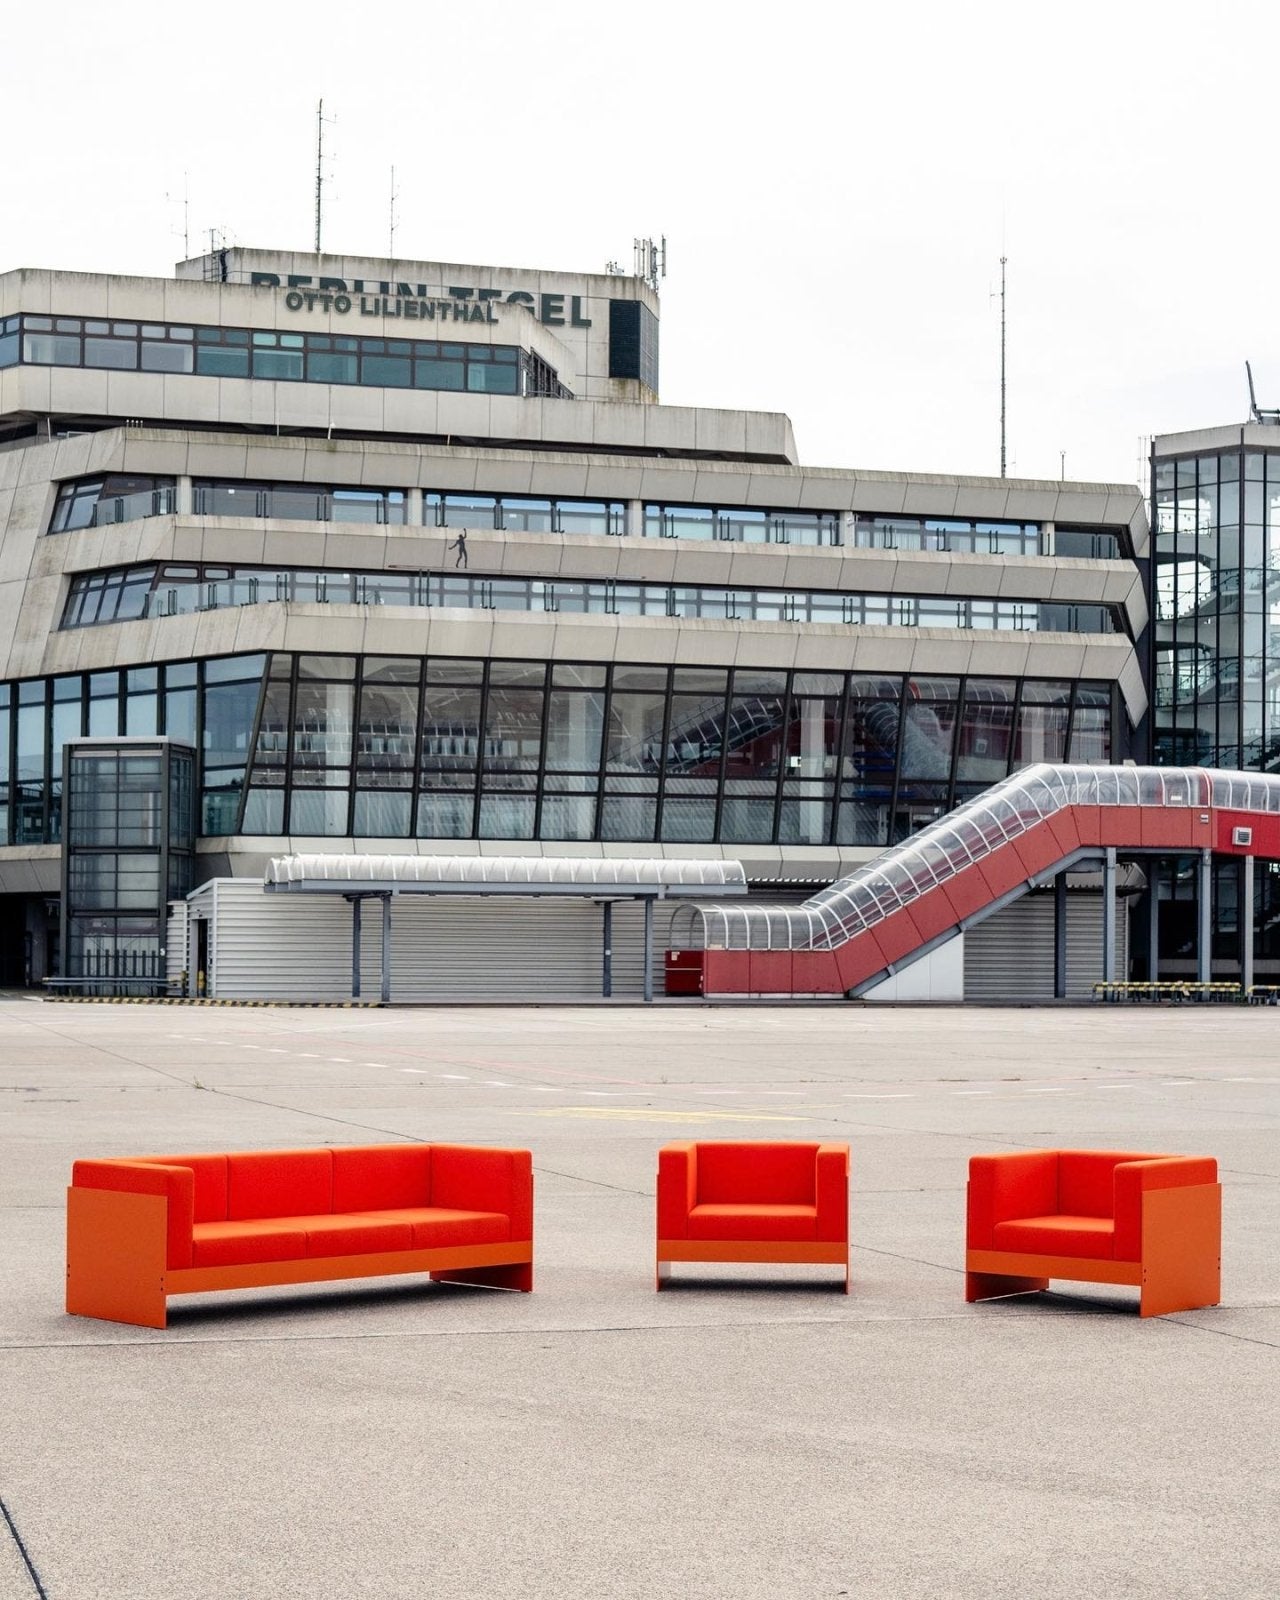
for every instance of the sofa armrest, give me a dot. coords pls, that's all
(1004, 1187)
(1134, 1178)
(677, 1189)
(831, 1190)
(177, 1185)
(472, 1177)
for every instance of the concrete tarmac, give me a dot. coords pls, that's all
(750, 1432)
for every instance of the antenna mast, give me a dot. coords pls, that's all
(391, 228)
(1003, 387)
(319, 168)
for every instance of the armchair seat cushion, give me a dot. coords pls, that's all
(756, 1222)
(1064, 1235)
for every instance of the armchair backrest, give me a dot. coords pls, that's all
(1086, 1180)
(758, 1172)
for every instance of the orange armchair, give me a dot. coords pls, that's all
(1096, 1216)
(753, 1201)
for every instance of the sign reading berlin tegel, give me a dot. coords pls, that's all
(415, 303)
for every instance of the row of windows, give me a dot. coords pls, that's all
(209, 704)
(466, 748)
(288, 357)
(127, 593)
(118, 499)
(638, 754)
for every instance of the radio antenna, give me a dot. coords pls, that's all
(391, 228)
(1003, 384)
(321, 119)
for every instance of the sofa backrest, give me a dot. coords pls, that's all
(210, 1173)
(758, 1172)
(381, 1177)
(1086, 1180)
(279, 1183)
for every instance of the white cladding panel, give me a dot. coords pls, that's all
(271, 946)
(1010, 955)
(175, 945)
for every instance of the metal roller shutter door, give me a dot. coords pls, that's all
(442, 947)
(1010, 955)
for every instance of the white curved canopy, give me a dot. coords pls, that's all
(589, 876)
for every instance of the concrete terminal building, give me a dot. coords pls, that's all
(319, 555)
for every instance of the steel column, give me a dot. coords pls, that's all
(356, 903)
(1204, 919)
(1153, 920)
(1246, 924)
(386, 947)
(606, 988)
(1109, 915)
(648, 948)
(1060, 936)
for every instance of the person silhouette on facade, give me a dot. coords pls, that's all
(460, 545)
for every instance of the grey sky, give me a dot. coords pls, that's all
(836, 184)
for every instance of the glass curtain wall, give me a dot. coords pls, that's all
(1217, 609)
(383, 747)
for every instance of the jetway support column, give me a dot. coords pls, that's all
(1109, 915)
(1060, 936)
(1204, 919)
(386, 947)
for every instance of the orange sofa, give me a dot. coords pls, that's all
(1096, 1216)
(780, 1201)
(146, 1227)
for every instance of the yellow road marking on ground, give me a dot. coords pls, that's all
(656, 1114)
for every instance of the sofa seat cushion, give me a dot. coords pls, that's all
(356, 1234)
(236, 1244)
(1091, 1237)
(435, 1227)
(753, 1222)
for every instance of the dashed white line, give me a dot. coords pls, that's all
(458, 1077)
(879, 1097)
(972, 1091)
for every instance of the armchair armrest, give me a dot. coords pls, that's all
(831, 1188)
(1003, 1188)
(176, 1185)
(1134, 1178)
(677, 1189)
(481, 1178)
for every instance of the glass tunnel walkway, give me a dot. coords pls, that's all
(1023, 833)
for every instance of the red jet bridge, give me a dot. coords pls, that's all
(1021, 834)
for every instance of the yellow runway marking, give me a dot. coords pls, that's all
(655, 1114)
